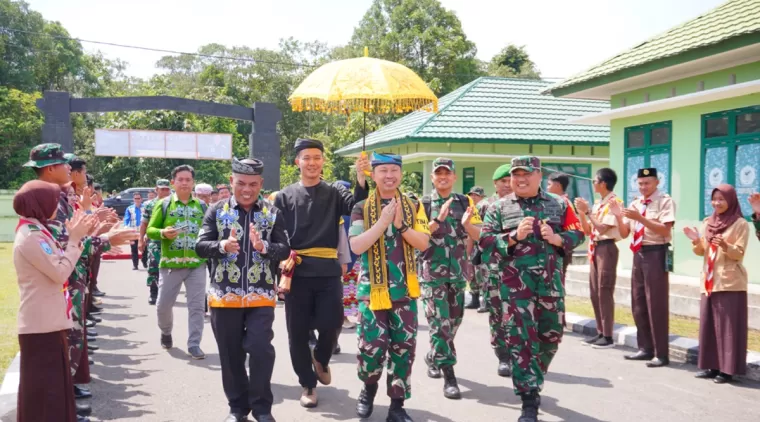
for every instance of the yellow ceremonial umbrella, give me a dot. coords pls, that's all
(363, 84)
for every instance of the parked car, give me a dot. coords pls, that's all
(124, 199)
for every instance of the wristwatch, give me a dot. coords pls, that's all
(513, 236)
(438, 221)
(403, 228)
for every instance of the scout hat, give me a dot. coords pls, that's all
(526, 162)
(45, 155)
(502, 171)
(442, 162)
(162, 183)
(477, 190)
(649, 172)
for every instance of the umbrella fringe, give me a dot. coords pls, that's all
(375, 105)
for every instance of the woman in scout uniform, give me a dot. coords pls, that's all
(386, 229)
(723, 313)
(651, 218)
(43, 267)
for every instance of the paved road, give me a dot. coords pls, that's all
(134, 379)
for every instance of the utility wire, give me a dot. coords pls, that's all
(209, 56)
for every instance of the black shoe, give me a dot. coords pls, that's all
(98, 293)
(433, 371)
(94, 310)
(504, 369)
(398, 415)
(365, 405)
(264, 418)
(135, 268)
(90, 324)
(592, 340)
(83, 409)
(166, 341)
(450, 387)
(658, 362)
(90, 361)
(83, 419)
(151, 300)
(93, 347)
(707, 374)
(640, 355)
(722, 378)
(603, 343)
(81, 393)
(94, 318)
(235, 417)
(336, 351)
(530, 403)
(91, 339)
(475, 302)
(92, 333)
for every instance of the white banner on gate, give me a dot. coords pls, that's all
(163, 144)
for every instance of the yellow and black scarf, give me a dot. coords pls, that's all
(380, 298)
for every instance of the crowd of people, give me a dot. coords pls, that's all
(333, 256)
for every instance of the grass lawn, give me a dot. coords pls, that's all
(679, 325)
(8, 308)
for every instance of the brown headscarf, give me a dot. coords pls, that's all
(718, 223)
(38, 200)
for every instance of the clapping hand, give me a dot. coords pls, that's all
(122, 235)
(87, 197)
(468, 213)
(754, 200)
(581, 205)
(632, 214)
(525, 228)
(231, 244)
(614, 207)
(547, 233)
(398, 218)
(445, 209)
(691, 233)
(79, 225)
(388, 214)
(719, 242)
(256, 241)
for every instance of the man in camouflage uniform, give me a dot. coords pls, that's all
(531, 231)
(446, 267)
(477, 194)
(385, 230)
(488, 274)
(154, 246)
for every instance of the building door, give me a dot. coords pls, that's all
(469, 179)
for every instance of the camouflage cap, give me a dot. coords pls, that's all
(69, 157)
(526, 162)
(162, 183)
(45, 155)
(446, 163)
(477, 190)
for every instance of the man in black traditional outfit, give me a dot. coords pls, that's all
(241, 236)
(311, 276)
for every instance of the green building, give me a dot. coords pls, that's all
(485, 123)
(688, 103)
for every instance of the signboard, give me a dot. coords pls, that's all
(163, 144)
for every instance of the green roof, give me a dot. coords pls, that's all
(494, 110)
(726, 25)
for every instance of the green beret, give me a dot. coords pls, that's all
(502, 171)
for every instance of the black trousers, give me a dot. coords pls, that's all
(313, 303)
(241, 331)
(144, 257)
(135, 254)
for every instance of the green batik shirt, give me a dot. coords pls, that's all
(446, 260)
(394, 253)
(180, 251)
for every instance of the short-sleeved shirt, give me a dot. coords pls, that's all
(394, 253)
(662, 209)
(602, 214)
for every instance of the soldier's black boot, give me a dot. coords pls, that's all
(433, 371)
(365, 405)
(450, 387)
(396, 412)
(474, 301)
(505, 366)
(530, 403)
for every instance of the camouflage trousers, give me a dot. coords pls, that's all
(444, 311)
(493, 304)
(154, 258)
(392, 332)
(534, 329)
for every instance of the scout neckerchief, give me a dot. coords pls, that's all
(66, 296)
(380, 298)
(638, 230)
(712, 254)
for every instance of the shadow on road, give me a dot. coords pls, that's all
(119, 317)
(211, 362)
(561, 378)
(110, 373)
(108, 331)
(488, 394)
(549, 406)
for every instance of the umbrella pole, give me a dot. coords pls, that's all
(364, 132)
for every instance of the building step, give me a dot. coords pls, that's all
(685, 295)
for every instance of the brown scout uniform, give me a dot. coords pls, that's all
(604, 262)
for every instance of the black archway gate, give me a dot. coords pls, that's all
(263, 143)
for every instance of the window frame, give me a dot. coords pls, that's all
(732, 140)
(575, 177)
(648, 150)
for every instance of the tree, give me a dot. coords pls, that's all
(513, 62)
(422, 35)
(20, 129)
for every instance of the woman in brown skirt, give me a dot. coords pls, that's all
(723, 313)
(46, 391)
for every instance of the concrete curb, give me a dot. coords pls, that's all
(9, 390)
(682, 349)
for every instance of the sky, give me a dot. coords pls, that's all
(562, 37)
